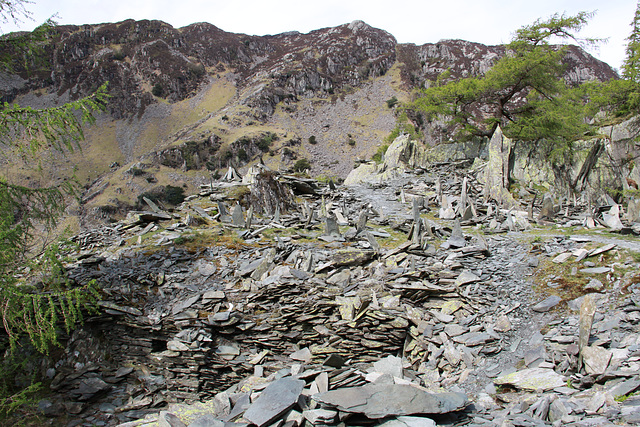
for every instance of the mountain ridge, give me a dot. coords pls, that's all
(322, 95)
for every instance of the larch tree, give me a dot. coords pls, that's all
(32, 313)
(524, 93)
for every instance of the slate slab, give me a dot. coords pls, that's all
(595, 359)
(384, 400)
(532, 379)
(472, 339)
(587, 311)
(595, 270)
(274, 401)
(391, 365)
(547, 304)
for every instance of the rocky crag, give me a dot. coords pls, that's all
(413, 289)
(188, 102)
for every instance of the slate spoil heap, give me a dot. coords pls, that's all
(357, 308)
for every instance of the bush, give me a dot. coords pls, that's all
(312, 140)
(196, 70)
(380, 153)
(118, 55)
(266, 141)
(157, 90)
(170, 194)
(137, 171)
(301, 165)
(391, 102)
(173, 195)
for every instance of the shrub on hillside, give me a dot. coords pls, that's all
(301, 165)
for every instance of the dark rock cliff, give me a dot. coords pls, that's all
(147, 60)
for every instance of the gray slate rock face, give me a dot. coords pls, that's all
(383, 400)
(277, 398)
(532, 379)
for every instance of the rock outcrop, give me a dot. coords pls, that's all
(403, 154)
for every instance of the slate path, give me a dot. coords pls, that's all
(267, 329)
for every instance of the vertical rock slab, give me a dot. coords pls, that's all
(237, 216)
(274, 401)
(587, 311)
(496, 174)
(547, 211)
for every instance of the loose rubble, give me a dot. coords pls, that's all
(352, 306)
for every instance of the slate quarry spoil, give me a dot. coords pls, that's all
(361, 306)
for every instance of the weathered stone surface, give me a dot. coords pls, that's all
(532, 379)
(391, 365)
(547, 304)
(547, 211)
(380, 401)
(274, 401)
(595, 270)
(496, 175)
(317, 416)
(595, 359)
(587, 311)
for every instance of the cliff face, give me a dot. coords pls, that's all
(321, 95)
(141, 59)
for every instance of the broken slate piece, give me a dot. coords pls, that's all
(625, 388)
(547, 304)
(89, 387)
(612, 221)
(274, 401)
(587, 311)
(331, 226)
(237, 217)
(602, 249)
(532, 379)
(391, 365)
(563, 257)
(548, 210)
(595, 270)
(594, 285)
(383, 400)
(457, 239)
(471, 339)
(466, 277)
(167, 419)
(409, 422)
(317, 416)
(303, 355)
(595, 359)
